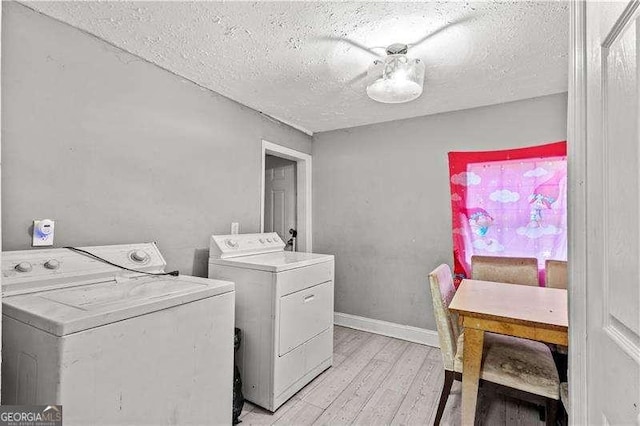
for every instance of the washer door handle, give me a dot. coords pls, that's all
(309, 298)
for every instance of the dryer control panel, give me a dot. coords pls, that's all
(235, 245)
(29, 270)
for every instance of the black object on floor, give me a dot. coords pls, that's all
(238, 399)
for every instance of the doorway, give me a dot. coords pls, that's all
(280, 199)
(285, 202)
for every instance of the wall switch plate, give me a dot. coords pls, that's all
(43, 232)
(235, 228)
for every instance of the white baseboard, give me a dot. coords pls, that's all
(398, 331)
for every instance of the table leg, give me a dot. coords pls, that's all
(472, 359)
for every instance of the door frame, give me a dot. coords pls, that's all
(0, 205)
(578, 238)
(303, 191)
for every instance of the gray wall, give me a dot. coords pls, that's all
(117, 150)
(381, 199)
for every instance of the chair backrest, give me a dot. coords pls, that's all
(511, 270)
(556, 273)
(442, 291)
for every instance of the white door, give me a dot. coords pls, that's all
(280, 196)
(613, 213)
(0, 227)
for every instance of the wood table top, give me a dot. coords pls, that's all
(512, 302)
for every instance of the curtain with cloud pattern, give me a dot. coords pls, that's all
(509, 203)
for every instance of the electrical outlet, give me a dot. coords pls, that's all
(235, 227)
(43, 233)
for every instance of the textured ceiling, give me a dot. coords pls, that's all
(287, 59)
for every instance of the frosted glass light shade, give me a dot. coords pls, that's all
(395, 79)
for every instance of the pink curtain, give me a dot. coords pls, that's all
(509, 203)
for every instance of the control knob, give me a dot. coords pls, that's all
(52, 264)
(24, 267)
(231, 243)
(139, 256)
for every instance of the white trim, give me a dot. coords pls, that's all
(0, 198)
(303, 191)
(404, 332)
(577, 243)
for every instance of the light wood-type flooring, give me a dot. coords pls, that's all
(378, 380)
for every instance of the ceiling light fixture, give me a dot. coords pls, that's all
(395, 78)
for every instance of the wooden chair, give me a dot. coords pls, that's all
(516, 363)
(511, 270)
(556, 276)
(556, 273)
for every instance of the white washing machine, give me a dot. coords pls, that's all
(284, 306)
(115, 347)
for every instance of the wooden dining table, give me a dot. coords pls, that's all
(535, 313)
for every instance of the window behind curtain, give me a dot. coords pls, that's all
(509, 203)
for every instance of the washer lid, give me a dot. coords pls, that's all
(69, 310)
(275, 262)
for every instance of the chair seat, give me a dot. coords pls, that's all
(564, 394)
(517, 363)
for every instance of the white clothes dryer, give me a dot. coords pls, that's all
(284, 307)
(114, 347)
